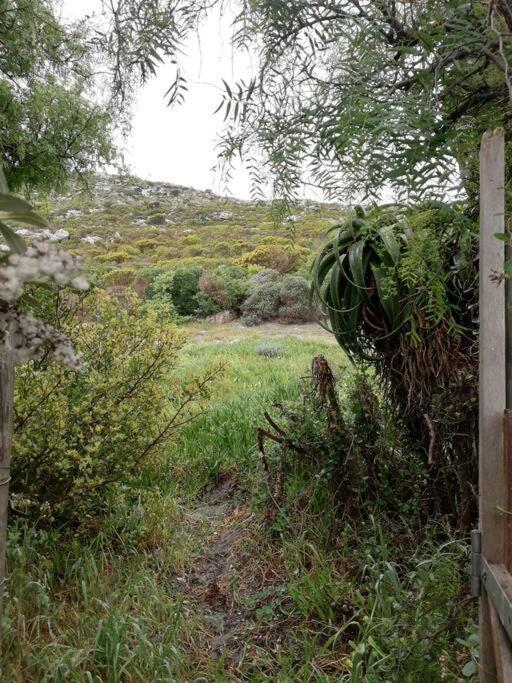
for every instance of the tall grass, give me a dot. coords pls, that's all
(323, 600)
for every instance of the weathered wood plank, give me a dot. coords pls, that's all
(492, 380)
(502, 650)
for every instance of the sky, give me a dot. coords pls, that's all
(178, 144)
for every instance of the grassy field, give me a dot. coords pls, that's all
(201, 585)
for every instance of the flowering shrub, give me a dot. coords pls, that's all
(22, 335)
(81, 440)
(25, 336)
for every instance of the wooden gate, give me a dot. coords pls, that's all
(492, 543)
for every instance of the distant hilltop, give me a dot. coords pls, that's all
(118, 220)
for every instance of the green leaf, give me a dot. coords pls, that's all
(390, 304)
(469, 669)
(391, 243)
(14, 241)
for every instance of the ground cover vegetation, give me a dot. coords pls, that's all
(308, 523)
(231, 568)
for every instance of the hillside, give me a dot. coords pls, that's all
(129, 222)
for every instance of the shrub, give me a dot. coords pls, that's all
(226, 286)
(405, 299)
(178, 288)
(278, 257)
(294, 300)
(120, 276)
(147, 244)
(262, 304)
(81, 441)
(286, 299)
(340, 454)
(270, 350)
(264, 276)
(115, 256)
(157, 219)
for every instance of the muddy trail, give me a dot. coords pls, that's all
(236, 585)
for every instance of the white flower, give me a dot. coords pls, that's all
(22, 334)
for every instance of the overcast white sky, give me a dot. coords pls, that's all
(178, 144)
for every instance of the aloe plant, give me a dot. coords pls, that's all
(399, 287)
(355, 284)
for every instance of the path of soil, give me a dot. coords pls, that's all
(223, 581)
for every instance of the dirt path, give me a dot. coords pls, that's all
(226, 583)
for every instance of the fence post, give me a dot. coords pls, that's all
(492, 391)
(6, 405)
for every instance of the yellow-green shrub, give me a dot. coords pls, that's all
(119, 276)
(146, 244)
(276, 256)
(115, 256)
(83, 439)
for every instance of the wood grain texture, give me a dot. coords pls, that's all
(492, 379)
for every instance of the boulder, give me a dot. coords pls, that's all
(222, 317)
(59, 235)
(91, 239)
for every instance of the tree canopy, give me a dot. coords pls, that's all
(66, 88)
(358, 95)
(351, 96)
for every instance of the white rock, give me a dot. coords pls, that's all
(225, 215)
(117, 236)
(91, 239)
(4, 247)
(73, 213)
(23, 232)
(59, 235)
(290, 219)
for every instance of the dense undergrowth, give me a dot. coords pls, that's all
(251, 508)
(320, 595)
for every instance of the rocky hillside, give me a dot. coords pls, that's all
(124, 222)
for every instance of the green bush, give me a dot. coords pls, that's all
(115, 256)
(342, 453)
(399, 287)
(264, 276)
(226, 286)
(269, 350)
(84, 440)
(294, 300)
(286, 299)
(281, 257)
(179, 288)
(262, 304)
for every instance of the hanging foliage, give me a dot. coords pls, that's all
(398, 287)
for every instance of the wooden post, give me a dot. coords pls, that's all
(6, 404)
(492, 385)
